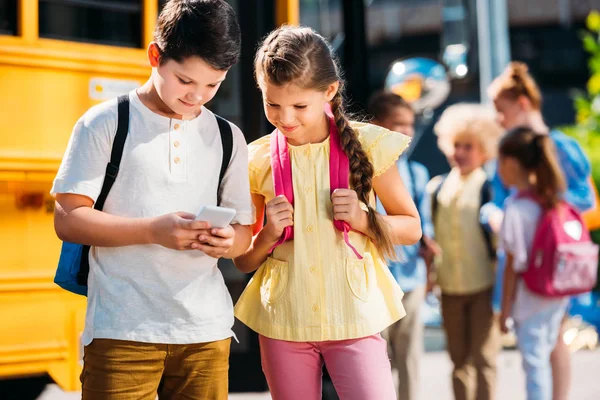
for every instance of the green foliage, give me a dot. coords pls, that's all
(587, 104)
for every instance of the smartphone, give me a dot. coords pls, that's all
(217, 217)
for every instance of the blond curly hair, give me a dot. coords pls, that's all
(466, 120)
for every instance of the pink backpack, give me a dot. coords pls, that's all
(281, 168)
(563, 259)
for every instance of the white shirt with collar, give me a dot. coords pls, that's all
(148, 293)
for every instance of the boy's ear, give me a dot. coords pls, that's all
(153, 54)
(332, 90)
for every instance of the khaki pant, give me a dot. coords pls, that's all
(405, 344)
(473, 338)
(124, 370)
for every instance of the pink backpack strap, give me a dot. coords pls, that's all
(339, 170)
(281, 167)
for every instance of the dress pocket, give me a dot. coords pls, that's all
(360, 275)
(274, 280)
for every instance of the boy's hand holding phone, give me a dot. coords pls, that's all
(177, 231)
(219, 237)
(215, 242)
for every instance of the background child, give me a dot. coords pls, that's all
(527, 162)
(313, 300)
(156, 313)
(467, 135)
(518, 102)
(405, 337)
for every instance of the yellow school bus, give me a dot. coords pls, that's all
(55, 63)
(57, 59)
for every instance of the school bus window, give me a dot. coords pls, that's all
(110, 22)
(8, 17)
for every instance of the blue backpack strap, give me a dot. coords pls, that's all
(227, 143)
(112, 170)
(411, 174)
(415, 196)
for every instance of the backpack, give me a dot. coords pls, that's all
(73, 265)
(485, 197)
(563, 259)
(281, 170)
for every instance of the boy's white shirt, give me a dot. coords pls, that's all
(148, 293)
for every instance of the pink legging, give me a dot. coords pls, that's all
(359, 368)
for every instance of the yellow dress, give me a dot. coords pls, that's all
(314, 288)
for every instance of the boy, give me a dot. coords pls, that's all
(405, 337)
(158, 309)
(468, 136)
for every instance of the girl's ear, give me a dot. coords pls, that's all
(331, 91)
(524, 103)
(153, 54)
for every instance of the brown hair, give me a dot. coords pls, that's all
(199, 28)
(301, 56)
(383, 101)
(537, 155)
(515, 82)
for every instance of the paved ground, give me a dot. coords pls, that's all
(435, 381)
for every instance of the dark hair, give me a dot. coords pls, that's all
(302, 56)
(204, 28)
(515, 82)
(383, 101)
(537, 155)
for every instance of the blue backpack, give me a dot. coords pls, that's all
(73, 265)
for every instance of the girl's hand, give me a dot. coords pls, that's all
(280, 214)
(346, 207)
(215, 242)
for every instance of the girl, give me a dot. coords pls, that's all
(468, 135)
(320, 298)
(527, 162)
(518, 102)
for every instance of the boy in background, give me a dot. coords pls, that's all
(405, 337)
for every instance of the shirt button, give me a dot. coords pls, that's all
(176, 159)
(308, 189)
(309, 229)
(312, 268)
(176, 144)
(176, 126)
(307, 151)
(315, 308)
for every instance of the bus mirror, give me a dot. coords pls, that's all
(423, 82)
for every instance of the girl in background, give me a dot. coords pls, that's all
(528, 163)
(518, 102)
